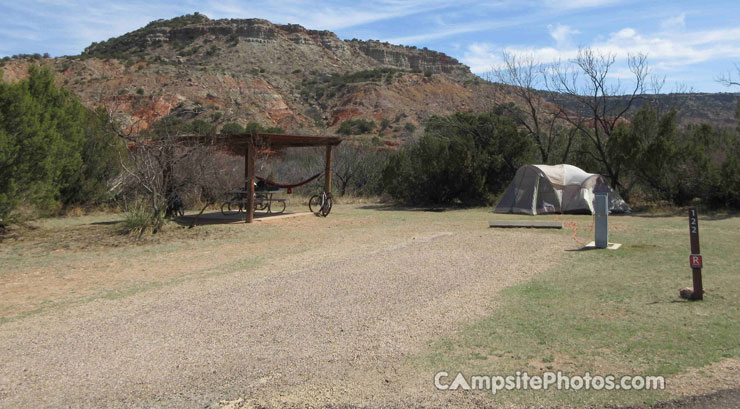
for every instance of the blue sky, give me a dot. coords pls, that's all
(688, 42)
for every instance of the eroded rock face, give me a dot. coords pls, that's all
(262, 31)
(410, 58)
(145, 116)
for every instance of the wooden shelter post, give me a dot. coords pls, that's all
(327, 170)
(249, 180)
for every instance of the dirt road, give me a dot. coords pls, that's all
(331, 323)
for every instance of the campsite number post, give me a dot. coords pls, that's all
(695, 259)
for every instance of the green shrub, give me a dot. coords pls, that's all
(53, 151)
(356, 127)
(275, 129)
(463, 158)
(330, 85)
(664, 162)
(724, 192)
(232, 128)
(200, 127)
(212, 51)
(233, 39)
(253, 127)
(192, 51)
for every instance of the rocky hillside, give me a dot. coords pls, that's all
(276, 75)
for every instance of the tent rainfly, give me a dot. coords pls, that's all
(542, 189)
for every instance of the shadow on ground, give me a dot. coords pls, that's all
(220, 218)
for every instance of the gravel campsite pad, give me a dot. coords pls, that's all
(329, 323)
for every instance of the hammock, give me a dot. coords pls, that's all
(290, 186)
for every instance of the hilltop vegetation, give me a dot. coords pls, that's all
(138, 42)
(693, 108)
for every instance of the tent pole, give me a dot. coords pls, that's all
(534, 196)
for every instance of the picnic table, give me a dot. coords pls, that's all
(264, 200)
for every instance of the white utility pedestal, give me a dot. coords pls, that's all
(601, 216)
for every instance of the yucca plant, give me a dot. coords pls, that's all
(140, 218)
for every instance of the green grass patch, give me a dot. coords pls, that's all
(609, 312)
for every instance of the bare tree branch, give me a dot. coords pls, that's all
(730, 80)
(603, 101)
(526, 78)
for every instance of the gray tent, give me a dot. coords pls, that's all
(542, 189)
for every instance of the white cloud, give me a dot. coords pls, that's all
(468, 27)
(482, 57)
(624, 33)
(674, 23)
(677, 49)
(538, 11)
(562, 34)
(577, 4)
(666, 51)
(441, 33)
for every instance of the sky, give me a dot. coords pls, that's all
(689, 43)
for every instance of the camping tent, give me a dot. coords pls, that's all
(542, 189)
